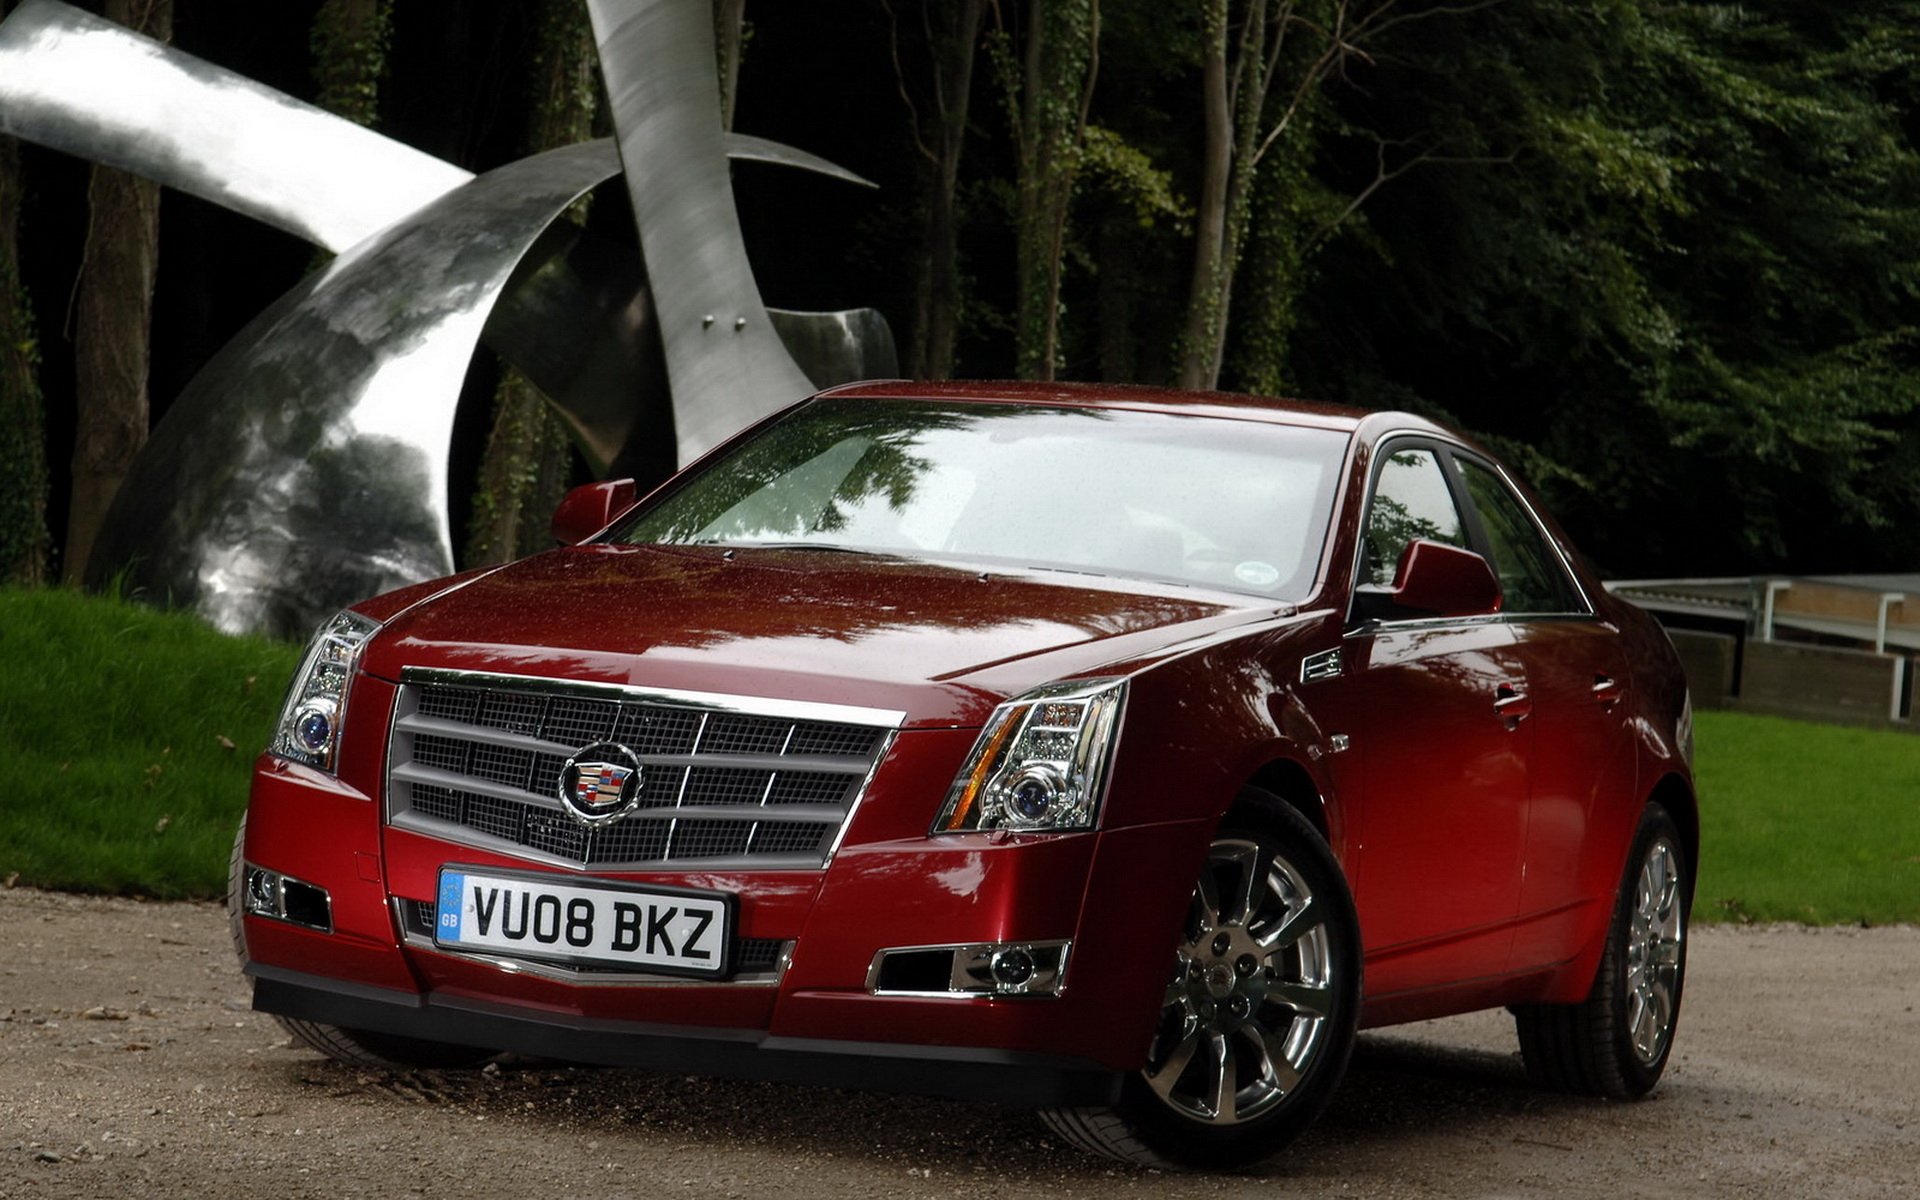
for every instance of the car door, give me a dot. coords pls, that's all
(1582, 748)
(1444, 771)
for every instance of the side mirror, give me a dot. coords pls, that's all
(588, 509)
(1434, 580)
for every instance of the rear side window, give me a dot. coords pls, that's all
(1410, 500)
(1530, 575)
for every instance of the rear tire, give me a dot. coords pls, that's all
(1259, 1016)
(360, 1047)
(1615, 1043)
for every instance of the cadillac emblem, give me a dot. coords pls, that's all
(601, 784)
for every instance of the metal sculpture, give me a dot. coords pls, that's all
(328, 415)
(657, 59)
(306, 466)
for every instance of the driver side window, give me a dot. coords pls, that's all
(1410, 500)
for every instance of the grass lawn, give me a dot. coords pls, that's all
(1812, 823)
(127, 737)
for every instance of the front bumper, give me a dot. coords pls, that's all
(1118, 895)
(961, 1072)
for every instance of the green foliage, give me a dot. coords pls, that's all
(1808, 823)
(1128, 174)
(349, 44)
(566, 77)
(127, 739)
(1673, 250)
(1046, 74)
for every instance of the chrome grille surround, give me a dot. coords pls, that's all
(730, 781)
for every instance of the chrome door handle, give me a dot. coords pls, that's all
(1607, 690)
(1511, 704)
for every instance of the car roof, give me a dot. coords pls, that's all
(1125, 396)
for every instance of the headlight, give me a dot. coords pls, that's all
(1041, 762)
(317, 700)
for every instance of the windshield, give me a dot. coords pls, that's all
(1235, 504)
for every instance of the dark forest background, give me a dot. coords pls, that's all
(1662, 256)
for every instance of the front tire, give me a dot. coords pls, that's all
(1616, 1042)
(360, 1047)
(1259, 1015)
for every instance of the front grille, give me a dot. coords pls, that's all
(478, 759)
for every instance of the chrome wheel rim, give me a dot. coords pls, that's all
(1249, 1003)
(1654, 953)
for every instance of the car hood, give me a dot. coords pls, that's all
(938, 642)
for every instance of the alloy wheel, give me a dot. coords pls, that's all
(1254, 984)
(1654, 945)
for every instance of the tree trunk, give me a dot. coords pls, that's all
(1048, 100)
(528, 461)
(524, 473)
(952, 34)
(23, 419)
(349, 44)
(1199, 365)
(113, 308)
(1272, 276)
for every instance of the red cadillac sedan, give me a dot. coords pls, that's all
(1114, 752)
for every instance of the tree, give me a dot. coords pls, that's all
(950, 33)
(528, 461)
(1681, 289)
(349, 43)
(113, 308)
(1047, 74)
(23, 452)
(1262, 65)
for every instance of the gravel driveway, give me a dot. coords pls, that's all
(131, 1066)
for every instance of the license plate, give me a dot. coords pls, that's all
(667, 930)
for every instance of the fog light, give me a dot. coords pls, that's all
(263, 892)
(971, 972)
(1012, 968)
(283, 898)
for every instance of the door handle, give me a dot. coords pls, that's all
(1511, 704)
(1607, 690)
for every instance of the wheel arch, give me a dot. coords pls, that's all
(1675, 795)
(1290, 782)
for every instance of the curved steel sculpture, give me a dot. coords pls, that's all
(657, 57)
(306, 466)
(316, 442)
(79, 83)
